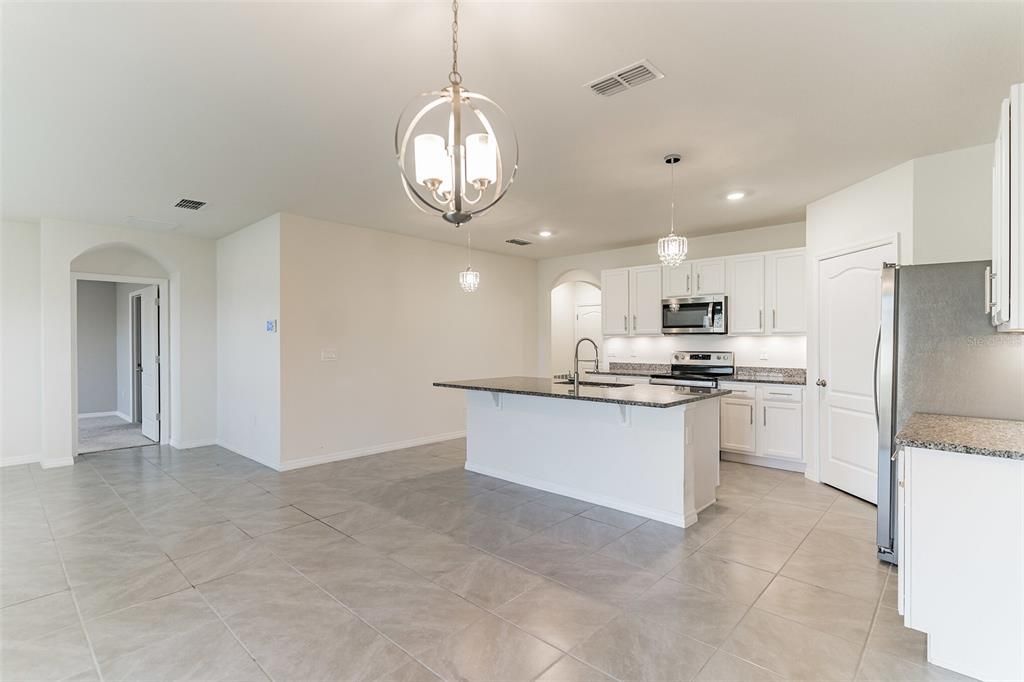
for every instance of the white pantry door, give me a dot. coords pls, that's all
(150, 328)
(849, 287)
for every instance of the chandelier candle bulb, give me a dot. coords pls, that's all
(481, 160)
(432, 162)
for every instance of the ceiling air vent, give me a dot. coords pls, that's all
(624, 79)
(190, 204)
(518, 242)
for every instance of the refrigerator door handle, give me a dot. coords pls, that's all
(878, 347)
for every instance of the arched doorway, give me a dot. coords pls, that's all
(575, 314)
(120, 349)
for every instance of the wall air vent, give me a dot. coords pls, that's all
(190, 204)
(518, 242)
(624, 79)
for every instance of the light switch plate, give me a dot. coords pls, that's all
(328, 355)
(764, 356)
(272, 326)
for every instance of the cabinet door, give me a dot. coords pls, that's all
(786, 283)
(737, 425)
(615, 302)
(645, 299)
(709, 276)
(781, 430)
(1001, 186)
(676, 281)
(746, 295)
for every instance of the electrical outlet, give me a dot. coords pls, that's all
(272, 326)
(328, 355)
(764, 356)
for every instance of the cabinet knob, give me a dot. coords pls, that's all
(821, 382)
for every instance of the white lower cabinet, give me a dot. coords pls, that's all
(763, 424)
(960, 544)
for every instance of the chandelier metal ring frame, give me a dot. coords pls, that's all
(430, 202)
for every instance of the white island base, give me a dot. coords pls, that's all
(657, 462)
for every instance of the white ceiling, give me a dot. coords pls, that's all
(112, 112)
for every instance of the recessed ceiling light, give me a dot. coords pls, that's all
(735, 196)
(544, 233)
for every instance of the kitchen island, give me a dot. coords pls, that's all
(642, 449)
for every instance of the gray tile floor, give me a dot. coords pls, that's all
(153, 563)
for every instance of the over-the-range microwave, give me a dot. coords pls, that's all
(695, 315)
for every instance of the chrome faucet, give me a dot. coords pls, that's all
(576, 362)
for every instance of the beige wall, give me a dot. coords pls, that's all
(20, 387)
(953, 206)
(549, 270)
(391, 309)
(248, 356)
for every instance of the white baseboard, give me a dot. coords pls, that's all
(57, 462)
(123, 416)
(248, 455)
(17, 461)
(87, 415)
(364, 451)
(569, 491)
(758, 460)
(189, 444)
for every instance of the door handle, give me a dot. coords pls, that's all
(634, 323)
(698, 281)
(878, 347)
(751, 414)
(775, 322)
(821, 382)
(687, 284)
(989, 278)
(765, 415)
(625, 323)
(760, 319)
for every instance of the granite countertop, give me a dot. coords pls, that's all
(970, 435)
(643, 395)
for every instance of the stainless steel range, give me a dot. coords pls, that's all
(697, 369)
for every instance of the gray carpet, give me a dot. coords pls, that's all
(96, 434)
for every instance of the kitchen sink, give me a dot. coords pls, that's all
(595, 384)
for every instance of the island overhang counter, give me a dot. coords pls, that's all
(642, 449)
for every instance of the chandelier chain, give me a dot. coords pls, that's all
(455, 78)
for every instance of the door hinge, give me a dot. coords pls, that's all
(156, 301)
(157, 416)
(157, 359)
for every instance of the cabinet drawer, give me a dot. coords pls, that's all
(738, 390)
(780, 393)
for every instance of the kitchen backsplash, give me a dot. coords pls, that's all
(750, 351)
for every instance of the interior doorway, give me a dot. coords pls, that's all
(575, 314)
(117, 351)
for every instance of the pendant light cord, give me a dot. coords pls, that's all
(455, 78)
(672, 171)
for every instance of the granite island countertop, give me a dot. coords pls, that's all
(642, 395)
(969, 435)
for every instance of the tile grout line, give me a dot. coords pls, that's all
(871, 628)
(231, 630)
(67, 579)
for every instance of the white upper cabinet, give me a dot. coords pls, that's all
(676, 282)
(615, 302)
(708, 276)
(645, 300)
(1006, 293)
(785, 286)
(746, 294)
(631, 301)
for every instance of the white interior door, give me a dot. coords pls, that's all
(150, 343)
(849, 289)
(588, 323)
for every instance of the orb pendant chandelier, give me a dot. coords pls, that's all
(469, 279)
(457, 150)
(672, 249)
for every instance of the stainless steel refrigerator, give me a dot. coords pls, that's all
(938, 352)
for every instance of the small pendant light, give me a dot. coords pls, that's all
(672, 249)
(469, 279)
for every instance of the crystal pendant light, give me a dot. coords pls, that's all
(672, 249)
(469, 279)
(457, 150)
